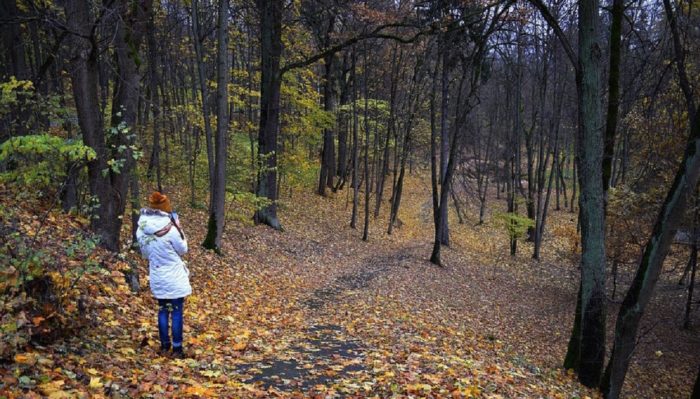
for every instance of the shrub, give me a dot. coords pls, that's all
(41, 161)
(515, 225)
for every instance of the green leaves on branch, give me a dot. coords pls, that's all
(23, 109)
(515, 225)
(119, 136)
(37, 160)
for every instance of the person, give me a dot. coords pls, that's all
(163, 243)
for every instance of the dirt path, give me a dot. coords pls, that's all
(328, 355)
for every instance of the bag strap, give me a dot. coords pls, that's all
(164, 230)
(167, 227)
(179, 230)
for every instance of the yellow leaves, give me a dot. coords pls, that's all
(54, 390)
(210, 373)
(61, 394)
(95, 383)
(127, 351)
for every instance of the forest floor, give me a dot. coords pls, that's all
(314, 311)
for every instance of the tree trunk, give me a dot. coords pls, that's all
(574, 184)
(590, 337)
(693, 261)
(446, 183)
(618, 9)
(355, 144)
(444, 197)
(444, 146)
(205, 96)
(110, 191)
(215, 225)
(365, 232)
(270, 83)
(153, 102)
(84, 78)
(328, 171)
(342, 167)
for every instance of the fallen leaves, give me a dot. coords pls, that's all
(316, 312)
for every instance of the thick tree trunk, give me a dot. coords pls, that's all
(328, 171)
(590, 337)
(111, 192)
(125, 99)
(215, 225)
(84, 77)
(270, 83)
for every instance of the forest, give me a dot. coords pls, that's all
(378, 198)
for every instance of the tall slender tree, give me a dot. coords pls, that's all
(215, 225)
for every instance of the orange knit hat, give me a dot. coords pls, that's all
(160, 201)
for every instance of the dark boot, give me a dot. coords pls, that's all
(164, 350)
(178, 352)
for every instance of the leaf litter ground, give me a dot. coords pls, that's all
(315, 312)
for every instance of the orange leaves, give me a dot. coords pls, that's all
(200, 391)
(240, 346)
(27, 358)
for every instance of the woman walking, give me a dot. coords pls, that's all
(163, 242)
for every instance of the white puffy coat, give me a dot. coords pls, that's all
(169, 278)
